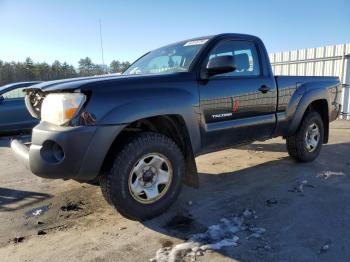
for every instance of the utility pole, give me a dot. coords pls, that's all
(103, 61)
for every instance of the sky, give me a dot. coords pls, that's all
(67, 30)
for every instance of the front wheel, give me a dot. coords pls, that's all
(146, 176)
(306, 143)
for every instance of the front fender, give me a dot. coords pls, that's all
(182, 104)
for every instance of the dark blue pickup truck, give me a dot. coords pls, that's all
(139, 133)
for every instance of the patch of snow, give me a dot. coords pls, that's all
(256, 232)
(328, 174)
(226, 242)
(299, 188)
(248, 212)
(216, 237)
(325, 247)
(37, 212)
(302, 184)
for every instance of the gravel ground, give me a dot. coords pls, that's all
(254, 204)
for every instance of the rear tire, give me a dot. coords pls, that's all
(306, 143)
(146, 176)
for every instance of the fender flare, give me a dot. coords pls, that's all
(304, 96)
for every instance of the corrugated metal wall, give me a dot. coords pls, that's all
(333, 60)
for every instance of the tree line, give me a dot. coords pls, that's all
(28, 70)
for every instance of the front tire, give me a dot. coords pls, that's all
(305, 145)
(146, 176)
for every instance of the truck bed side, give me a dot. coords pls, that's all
(296, 93)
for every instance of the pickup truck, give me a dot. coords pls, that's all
(138, 133)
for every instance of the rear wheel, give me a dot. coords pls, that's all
(306, 143)
(146, 176)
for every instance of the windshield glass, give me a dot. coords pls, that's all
(169, 59)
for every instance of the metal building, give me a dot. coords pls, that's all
(333, 60)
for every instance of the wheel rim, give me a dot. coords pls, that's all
(150, 178)
(312, 137)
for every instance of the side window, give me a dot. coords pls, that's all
(245, 57)
(14, 94)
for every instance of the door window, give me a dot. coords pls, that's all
(245, 57)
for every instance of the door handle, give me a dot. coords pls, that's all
(264, 89)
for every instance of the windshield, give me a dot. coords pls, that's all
(169, 59)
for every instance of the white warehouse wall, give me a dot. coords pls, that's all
(332, 60)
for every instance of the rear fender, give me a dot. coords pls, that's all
(303, 97)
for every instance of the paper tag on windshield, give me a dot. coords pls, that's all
(196, 42)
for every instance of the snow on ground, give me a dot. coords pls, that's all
(328, 174)
(223, 234)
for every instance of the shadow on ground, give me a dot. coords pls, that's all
(273, 147)
(12, 199)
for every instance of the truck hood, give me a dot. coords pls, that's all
(84, 83)
(70, 83)
(37, 93)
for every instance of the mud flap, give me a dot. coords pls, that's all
(191, 174)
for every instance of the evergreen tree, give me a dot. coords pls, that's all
(11, 72)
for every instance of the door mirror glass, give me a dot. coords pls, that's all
(220, 65)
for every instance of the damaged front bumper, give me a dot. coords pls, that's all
(66, 152)
(21, 152)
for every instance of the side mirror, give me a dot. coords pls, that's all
(1, 98)
(220, 65)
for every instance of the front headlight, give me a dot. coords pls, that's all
(59, 109)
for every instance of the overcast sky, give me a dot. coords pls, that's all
(68, 30)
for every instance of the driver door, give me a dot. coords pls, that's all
(233, 106)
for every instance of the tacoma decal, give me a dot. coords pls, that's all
(221, 115)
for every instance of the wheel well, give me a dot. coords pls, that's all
(173, 126)
(321, 106)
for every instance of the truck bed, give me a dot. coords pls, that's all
(287, 85)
